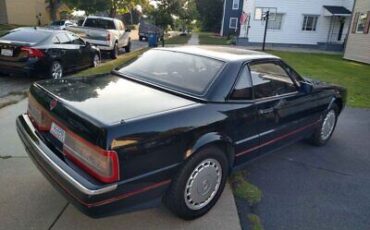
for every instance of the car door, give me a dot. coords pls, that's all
(285, 113)
(244, 118)
(123, 34)
(64, 51)
(83, 51)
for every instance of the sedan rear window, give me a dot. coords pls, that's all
(28, 35)
(184, 72)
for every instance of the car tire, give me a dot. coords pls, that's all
(96, 60)
(56, 70)
(324, 131)
(199, 184)
(128, 47)
(114, 52)
(140, 38)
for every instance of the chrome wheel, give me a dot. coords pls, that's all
(96, 60)
(203, 184)
(56, 70)
(328, 125)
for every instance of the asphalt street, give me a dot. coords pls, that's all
(308, 187)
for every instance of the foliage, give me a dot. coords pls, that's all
(114, 7)
(210, 13)
(245, 190)
(177, 40)
(188, 14)
(212, 39)
(255, 222)
(332, 68)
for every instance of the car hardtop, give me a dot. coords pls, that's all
(222, 53)
(101, 17)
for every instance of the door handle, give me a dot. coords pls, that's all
(266, 111)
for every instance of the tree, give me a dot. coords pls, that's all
(52, 8)
(210, 14)
(163, 14)
(188, 14)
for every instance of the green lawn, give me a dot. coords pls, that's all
(332, 68)
(206, 38)
(177, 40)
(109, 66)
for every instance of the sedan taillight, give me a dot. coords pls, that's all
(102, 164)
(99, 163)
(32, 52)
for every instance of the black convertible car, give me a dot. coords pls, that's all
(170, 125)
(45, 52)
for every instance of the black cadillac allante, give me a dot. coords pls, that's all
(170, 126)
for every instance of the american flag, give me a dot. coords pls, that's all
(243, 18)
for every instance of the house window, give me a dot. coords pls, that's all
(275, 24)
(309, 23)
(233, 23)
(361, 21)
(236, 4)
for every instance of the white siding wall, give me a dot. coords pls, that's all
(291, 30)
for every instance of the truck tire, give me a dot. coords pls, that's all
(114, 52)
(128, 47)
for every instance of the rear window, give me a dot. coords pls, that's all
(179, 71)
(99, 23)
(29, 36)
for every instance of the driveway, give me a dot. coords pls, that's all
(28, 201)
(307, 187)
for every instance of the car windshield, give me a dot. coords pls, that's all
(57, 23)
(99, 23)
(26, 35)
(184, 72)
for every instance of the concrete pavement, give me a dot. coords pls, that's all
(28, 201)
(194, 39)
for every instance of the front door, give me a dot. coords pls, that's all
(284, 112)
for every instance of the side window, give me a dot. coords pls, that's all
(270, 79)
(62, 37)
(243, 87)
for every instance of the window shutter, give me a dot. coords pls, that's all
(354, 23)
(367, 23)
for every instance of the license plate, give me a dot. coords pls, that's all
(57, 132)
(7, 52)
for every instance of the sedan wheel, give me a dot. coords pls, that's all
(96, 60)
(56, 70)
(203, 184)
(198, 184)
(323, 132)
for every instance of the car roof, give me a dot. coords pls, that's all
(100, 17)
(227, 54)
(40, 29)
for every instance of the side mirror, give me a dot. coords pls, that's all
(128, 30)
(306, 87)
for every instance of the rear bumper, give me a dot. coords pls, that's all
(24, 68)
(94, 199)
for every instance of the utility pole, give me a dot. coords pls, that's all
(267, 15)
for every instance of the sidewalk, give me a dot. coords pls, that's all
(194, 39)
(28, 201)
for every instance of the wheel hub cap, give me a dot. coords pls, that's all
(203, 184)
(328, 125)
(56, 71)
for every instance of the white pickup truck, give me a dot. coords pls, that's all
(109, 34)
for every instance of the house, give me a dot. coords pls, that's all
(319, 24)
(28, 12)
(358, 42)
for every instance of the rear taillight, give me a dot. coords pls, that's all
(31, 52)
(39, 117)
(102, 164)
(99, 163)
(108, 36)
